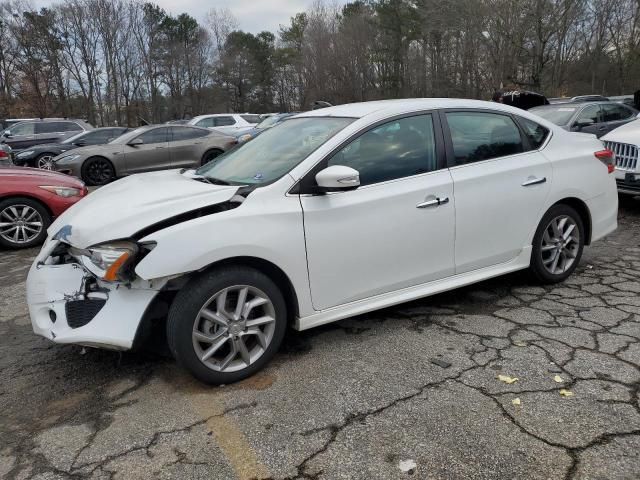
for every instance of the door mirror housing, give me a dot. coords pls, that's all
(80, 143)
(583, 122)
(7, 133)
(135, 142)
(337, 178)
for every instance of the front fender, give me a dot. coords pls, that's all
(267, 229)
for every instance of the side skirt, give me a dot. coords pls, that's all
(384, 300)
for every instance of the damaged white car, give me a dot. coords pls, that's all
(334, 213)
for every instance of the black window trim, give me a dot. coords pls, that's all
(307, 183)
(451, 158)
(523, 131)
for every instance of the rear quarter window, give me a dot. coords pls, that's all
(535, 133)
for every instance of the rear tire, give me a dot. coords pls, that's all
(557, 245)
(226, 324)
(23, 222)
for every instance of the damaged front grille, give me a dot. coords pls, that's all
(81, 312)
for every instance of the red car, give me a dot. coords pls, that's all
(29, 201)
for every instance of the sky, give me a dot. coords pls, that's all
(253, 15)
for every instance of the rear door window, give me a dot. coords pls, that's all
(186, 133)
(251, 118)
(223, 121)
(615, 113)
(51, 127)
(477, 136)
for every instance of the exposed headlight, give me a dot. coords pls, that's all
(25, 154)
(111, 261)
(65, 192)
(245, 138)
(66, 159)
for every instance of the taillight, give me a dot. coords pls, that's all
(3, 154)
(607, 157)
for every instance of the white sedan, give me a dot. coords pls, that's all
(334, 213)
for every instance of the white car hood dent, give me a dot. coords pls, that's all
(629, 133)
(119, 210)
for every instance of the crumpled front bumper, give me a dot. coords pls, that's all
(51, 289)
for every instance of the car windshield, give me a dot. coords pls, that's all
(70, 140)
(559, 115)
(274, 153)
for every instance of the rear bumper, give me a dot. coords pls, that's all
(62, 311)
(604, 214)
(629, 183)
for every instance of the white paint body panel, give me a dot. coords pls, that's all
(345, 253)
(374, 240)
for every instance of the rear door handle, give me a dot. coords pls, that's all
(534, 181)
(436, 202)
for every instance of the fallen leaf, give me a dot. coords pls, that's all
(558, 379)
(566, 393)
(407, 466)
(518, 343)
(507, 379)
(516, 401)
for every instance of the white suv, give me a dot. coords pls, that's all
(624, 142)
(334, 213)
(227, 122)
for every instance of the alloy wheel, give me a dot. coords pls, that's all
(234, 328)
(45, 162)
(20, 224)
(99, 172)
(560, 244)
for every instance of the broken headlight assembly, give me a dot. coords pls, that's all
(112, 261)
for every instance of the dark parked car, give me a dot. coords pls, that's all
(598, 118)
(35, 132)
(40, 156)
(155, 147)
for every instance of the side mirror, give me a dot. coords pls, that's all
(583, 122)
(338, 178)
(7, 133)
(80, 143)
(135, 142)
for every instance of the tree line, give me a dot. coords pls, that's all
(128, 61)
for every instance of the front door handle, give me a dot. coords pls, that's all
(534, 181)
(435, 202)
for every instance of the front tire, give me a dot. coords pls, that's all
(97, 171)
(23, 223)
(210, 156)
(557, 244)
(226, 324)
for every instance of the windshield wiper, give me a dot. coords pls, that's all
(210, 180)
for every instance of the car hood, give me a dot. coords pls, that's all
(36, 175)
(628, 133)
(95, 150)
(120, 209)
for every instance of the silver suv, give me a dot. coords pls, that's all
(34, 132)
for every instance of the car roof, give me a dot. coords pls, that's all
(364, 109)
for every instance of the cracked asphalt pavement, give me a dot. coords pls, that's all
(357, 399)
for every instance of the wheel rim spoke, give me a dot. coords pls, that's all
(234, 328)
(560, 245)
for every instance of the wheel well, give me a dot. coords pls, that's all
(274, 272)
(582, 209)
(221, 151)
(33, 199)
